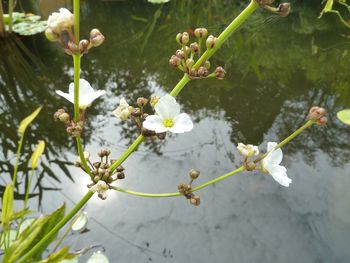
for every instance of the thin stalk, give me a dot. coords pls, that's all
(10, 15)
(76, 63)
(43, 242)
(127, 153)
(2, 28)
(18, 155)
(76, 11)
(82, 157)
(179, 86)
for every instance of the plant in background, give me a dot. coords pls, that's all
(192, 59)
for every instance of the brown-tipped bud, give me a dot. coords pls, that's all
(194, 47)
(193, 73)
(110, 180)
(187, 51)
(202, 72)
(211, 41)
(195, 200)
(101, 153)
(96, 37)
(51, 35)
(220, 73)
(104, 165)
(250, 166)
(161, 136)
(147, 133)
(194, 174)
(64, 117)
(101, 172)
(183, 38)
(107, 152)
(136, 112)
(78, 164)
(315, 113)
(322, 121)
(284, 9)
(207, 64)
(180, 53)
(201, 32)
(189, 63)
(58, 113)
(84, 46)
(174, 61)
(72, 48)
(141, 101)
(97, 164)
(121, 175)
(96, 179)
(182, 188)
(120, 168)
(70, 130)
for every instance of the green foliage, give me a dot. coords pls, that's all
(25, 24)
(59, 256)
(37, 153)
(28, 120)
(328, 8)
(344, 116)
(7, 207)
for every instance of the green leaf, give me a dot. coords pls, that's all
(12, 236)
(59, 256)
(28, 120)
(344, 116)
(7, 206)
(21, 213)
(37, 153)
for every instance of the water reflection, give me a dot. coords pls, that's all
(277, 68)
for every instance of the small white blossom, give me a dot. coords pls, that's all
(248, 150)
(271, 164)
(59, 21)
(168, 117)
(86, 93)
(101, 188)
(123, 111)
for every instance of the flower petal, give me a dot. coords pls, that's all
(154, 123)
(167, 107)
(86, 99)
(182, 123)
(67, 96)
(279, 173)
(274, 157)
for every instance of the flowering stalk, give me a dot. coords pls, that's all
(10, 15)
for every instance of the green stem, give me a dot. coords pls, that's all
(76, 12)
(2, 29)
(179, 86)
(253, 5)
(82, 156)
(10, 15)
(127, 153)
(76, 62)
(43, 242)
(18, 155)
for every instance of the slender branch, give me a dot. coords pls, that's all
(43, 242)
(76, 62)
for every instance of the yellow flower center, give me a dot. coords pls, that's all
(168, 123)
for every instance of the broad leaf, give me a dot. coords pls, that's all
(344, 116)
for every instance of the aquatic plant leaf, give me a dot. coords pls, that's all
(344, 116)
(37, 153)
(7, 206)
(158, 1)
(98, 257)
(59, 256)
(28, 120)
(25, 224)
(80, 223)
(12, 238)
(21, 213)
(25, 24)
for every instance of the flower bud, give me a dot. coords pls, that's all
(136, 112)
(174, 61)
(72, 48)
(78, 164)
(182, 38)
(189, 63)
(220, 73)
(96, 179)
(193, 73)
(182, 188)
(50, 35)
(315, 113)
(120, 168)
(322, 121)
(250, 166)
(201, 32)
(101, 153)
(247, 150)
(84, 46)
(154, 100)
(207, 64)
(284, 9)
(202, 72)
(142, 102)
(96, 38)
(194, 47)
(121, 175)
(195, 200)
(194, 174)
(64, 117)
(180, 53)
(161, 136)
(97, 164)
(211, 41)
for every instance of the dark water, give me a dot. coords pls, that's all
(276, 69)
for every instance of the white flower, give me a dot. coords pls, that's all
(101, 188)
(248, 150)
(168, 117)
(123, 111)
(271, 164)
(60, 21)
(86, 94)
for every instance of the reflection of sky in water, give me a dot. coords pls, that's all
(246, 218)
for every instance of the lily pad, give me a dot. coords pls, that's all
(80, 223)
(344, 116)
(25, 24)
(98, 257)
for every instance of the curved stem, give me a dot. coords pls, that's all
(46, 238)
(182, 83)
(18, 155)
(223, 177)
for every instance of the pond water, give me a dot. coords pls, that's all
(276, 69)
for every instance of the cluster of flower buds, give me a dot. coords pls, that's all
(73, 128)
(317, 114)
(124, 111)
(282, 10)
(248, 151)
(185, 189)
(184, 58)
(60, 28)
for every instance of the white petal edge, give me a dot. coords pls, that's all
(167, 107)
(279, 174)
(65, 95)
(86, 99)
(182, 123)
(154, 123)
(274, 156)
